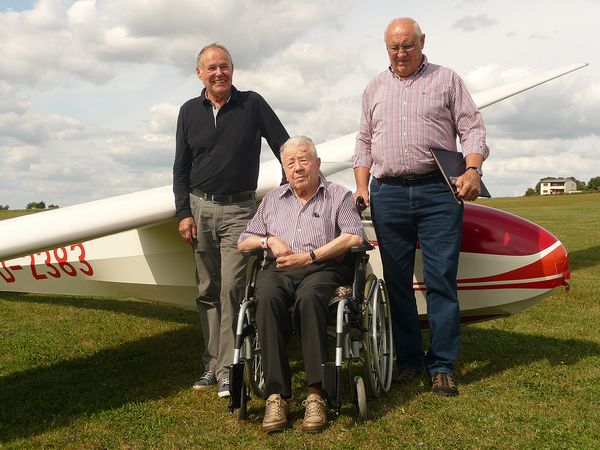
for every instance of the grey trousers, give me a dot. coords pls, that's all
(220, 275)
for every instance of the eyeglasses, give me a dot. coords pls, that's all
(405, 48)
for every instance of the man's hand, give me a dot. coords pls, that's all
(294, 261)
(279, 247)
(468, 185)
(362, 176)
(364, 193)
(187, 230)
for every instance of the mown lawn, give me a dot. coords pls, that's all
(80, 372)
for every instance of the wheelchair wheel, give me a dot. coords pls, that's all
(361, 399)
(378, 339)
(253, 370)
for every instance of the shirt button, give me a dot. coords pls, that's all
(298, 229)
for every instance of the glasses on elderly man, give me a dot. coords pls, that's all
(405, 48)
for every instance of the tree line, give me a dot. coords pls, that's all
(32, 205)
(591, 186)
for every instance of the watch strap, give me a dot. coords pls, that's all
(476, 169)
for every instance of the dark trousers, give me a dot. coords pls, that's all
(427, 213)
(307, 291)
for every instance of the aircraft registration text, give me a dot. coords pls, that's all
(51, 263)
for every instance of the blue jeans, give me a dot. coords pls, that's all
(428, 213)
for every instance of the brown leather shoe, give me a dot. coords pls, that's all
(443, 384)
(315, 415)
(406, 375)
(277, 411)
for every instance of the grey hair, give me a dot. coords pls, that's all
(213, 45)
(299, 141)
(413, 22)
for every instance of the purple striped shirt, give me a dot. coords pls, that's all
(402, 119)
(328, 213)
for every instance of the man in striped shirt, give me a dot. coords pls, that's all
(408, 109)
(308, 225)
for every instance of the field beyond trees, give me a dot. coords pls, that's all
(80, 372)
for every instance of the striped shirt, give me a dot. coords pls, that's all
(326, 215)
(402, 118)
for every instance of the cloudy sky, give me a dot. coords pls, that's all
(90, 89)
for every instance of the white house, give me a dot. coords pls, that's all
(557, 186)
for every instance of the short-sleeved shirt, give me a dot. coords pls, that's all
(329, 213)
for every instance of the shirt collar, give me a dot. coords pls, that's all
(232, 96)
(421, 68)
(287, 189)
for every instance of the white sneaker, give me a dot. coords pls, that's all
(224, 387)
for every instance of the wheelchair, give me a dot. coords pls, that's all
(362, 332)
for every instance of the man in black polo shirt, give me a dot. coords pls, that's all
(215, 174)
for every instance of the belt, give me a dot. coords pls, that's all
(410, 180)
(225, 198)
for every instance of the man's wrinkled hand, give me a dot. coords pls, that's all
(364, 193)
(279, 247)
(187, 230)
(294, 261)
(468, 185)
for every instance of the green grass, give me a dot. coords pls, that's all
(80, 372)
(9, 214)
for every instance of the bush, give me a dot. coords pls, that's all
(36, 205)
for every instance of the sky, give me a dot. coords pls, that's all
(90, 89)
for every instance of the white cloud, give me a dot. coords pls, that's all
(90, 90)
(28, 127)
(19, 158)
(141, 152)
(472, 23)
(163, 118)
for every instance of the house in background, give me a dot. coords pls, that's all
(557, 186)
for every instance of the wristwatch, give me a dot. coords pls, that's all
(476, 169)
(264, 243)
(313, 257)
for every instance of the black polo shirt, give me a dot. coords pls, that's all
(222, 155)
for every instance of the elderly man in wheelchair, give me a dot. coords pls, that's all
(307, 226)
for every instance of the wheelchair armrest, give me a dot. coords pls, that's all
(365, 247)
(254, 252)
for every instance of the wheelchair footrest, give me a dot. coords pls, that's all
(236, 385)
(331, 384)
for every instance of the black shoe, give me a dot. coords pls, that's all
(406, 375)
(207, 379)
(443, 384)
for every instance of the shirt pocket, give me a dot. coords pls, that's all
(432, 105)
(314, 233)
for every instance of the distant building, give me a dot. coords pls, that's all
(557, 186)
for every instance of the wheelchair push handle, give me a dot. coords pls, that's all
(360, 204)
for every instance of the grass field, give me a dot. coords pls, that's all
(80, 372)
